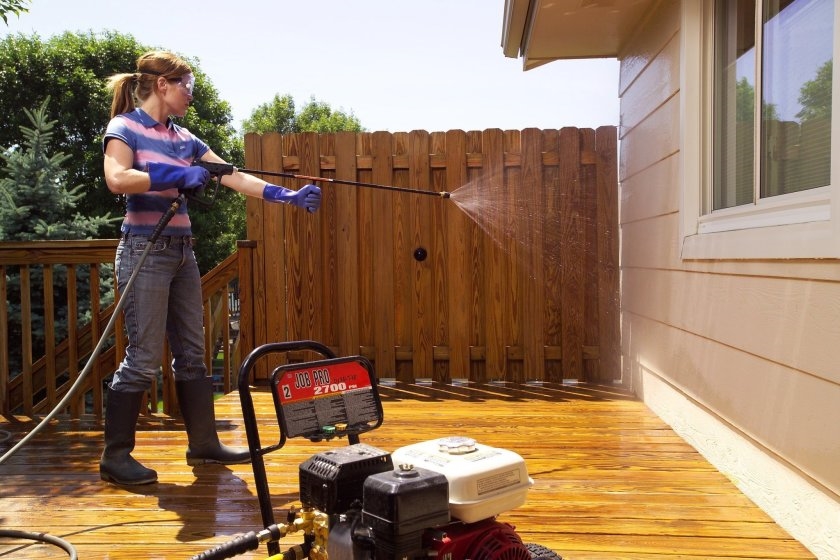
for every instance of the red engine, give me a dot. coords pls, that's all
(485, 540)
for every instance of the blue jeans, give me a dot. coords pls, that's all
(167, 291)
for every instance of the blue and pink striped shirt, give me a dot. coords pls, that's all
(152, 141)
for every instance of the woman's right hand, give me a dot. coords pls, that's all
(164, 176)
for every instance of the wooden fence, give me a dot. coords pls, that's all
(520, 277)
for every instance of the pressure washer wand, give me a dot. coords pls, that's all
(219, 169)
(442, 194)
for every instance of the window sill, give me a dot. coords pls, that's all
(812, 240)
(799, 208)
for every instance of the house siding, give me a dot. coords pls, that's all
(752, 345)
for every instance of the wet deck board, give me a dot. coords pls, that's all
(610, 479)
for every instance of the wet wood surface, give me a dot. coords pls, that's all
(611, 480)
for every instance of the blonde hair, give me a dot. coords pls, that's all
(130, 88)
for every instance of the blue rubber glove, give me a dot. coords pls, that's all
(164, 176)
(308, 197)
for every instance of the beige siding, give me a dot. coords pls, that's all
(755, 344)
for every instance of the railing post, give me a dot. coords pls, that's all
(247, 319)
(4, 346)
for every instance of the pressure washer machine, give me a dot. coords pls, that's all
(433, 499)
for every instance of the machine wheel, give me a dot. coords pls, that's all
(539, 552)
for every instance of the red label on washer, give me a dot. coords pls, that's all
(321, 381)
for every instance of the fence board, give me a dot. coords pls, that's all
(311, 266)
(477, 304)
(513, 298)
(530, 229)
(457, 263)
(571, 255)
(589, 194)
(274, 306)
(609, 336)
(419, 168)
(403, 308)
(347, 246)
(522, 297)
(438, 256)
(325, 226)
(367, 282)
(383, 255)
(552, 269)
(492, 217)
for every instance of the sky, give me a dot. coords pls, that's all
(397, 65)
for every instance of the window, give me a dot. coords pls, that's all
(763, 94)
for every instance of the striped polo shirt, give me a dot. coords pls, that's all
(152, 141)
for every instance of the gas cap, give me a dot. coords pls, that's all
(456, 445)
(406, 470)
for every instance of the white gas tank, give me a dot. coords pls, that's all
(483, 481)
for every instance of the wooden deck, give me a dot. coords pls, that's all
(611, 480)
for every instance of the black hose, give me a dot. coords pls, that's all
(42, 537)
(244, 543)
(235, 547)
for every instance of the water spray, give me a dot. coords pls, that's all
(218, 169)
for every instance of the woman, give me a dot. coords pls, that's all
(148, 158)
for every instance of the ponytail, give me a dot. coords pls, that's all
(123, 86)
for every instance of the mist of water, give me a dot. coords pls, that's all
(529, 225)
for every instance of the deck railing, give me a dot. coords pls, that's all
(60, 299)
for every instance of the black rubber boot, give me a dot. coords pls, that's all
(117, 465)
(196, 400)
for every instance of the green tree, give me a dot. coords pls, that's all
(72, 69)
(815, 95)
(36, 204)
(279, 115)
(745, 104)
(318, 116)
(12, 7)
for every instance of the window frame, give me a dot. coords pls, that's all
(801, 225)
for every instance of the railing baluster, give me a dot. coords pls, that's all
(26, 338)
(4, 344)
(49, 333)
(35, 387)
(77, 406)
(95, 333)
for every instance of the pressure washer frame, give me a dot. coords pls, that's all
(348, 385)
